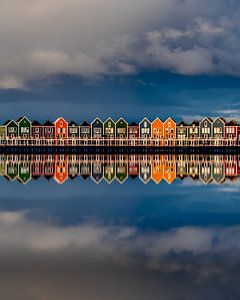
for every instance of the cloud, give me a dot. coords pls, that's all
(91, 39)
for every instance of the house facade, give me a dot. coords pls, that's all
(37, 130)
(145, 129)
(121, 129)
(109, 129)
(61, 129)
(157, 129)
(218, 128)
(73, 130)
(182, 130)
(24, 127)
(48, 130)
(97, 129)
(205, 128)
(133, 130)
(231, 130)
(85, 130)
(11, 129)
(193, 130)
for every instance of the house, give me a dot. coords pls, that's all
(109, 129)
(205, 128)
(121, 129)
(169, 171)
(2, 132)
(61, 129)
(218, 128)
(193, 130)
(133, 166)
(11, 129)
(109, 171)
(73, 130)
(231, 131)
(205, 171)
(24, 127)
(145, 129)
(157, 168)
(133, 131)
(97, 171)
(24, 172)
(121, 171)
(37, 130)
(97, 129)
(157, 129)
(170, 130)
(48, 130)
(182, 130)
(61, 167)
(85, 130)
(145, 171)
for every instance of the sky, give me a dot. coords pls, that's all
(80, 59)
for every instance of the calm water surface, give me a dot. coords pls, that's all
(119, 227)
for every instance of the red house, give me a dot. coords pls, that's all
(37, 130)
(231, 166)
(61, 130)
(48, 130)
(133, 132)
(231, 131)
(133, 166)
(61, 169)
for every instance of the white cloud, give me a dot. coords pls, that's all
(43, 38)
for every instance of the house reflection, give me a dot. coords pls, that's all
(215, 169)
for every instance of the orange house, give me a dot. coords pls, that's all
(169, 172)
(169, 130)
(157, 168)
(61, 169)
(157, 129)
(61, 129)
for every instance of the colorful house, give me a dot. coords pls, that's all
(157, 169)
(121, 129)
(24, 172)
(157, 129)
(205, 128)
(48, 130)
(11, 129)
(231, 130)
(182, 130)
(193, 130)
(169, 129)
(109, 129)
(61, 166)
(97, 171)
(85, 130)
(24, 127)
(2, 132)
(121, 171)
(97, 129)
(73, 130)
(145, 129)
(37, 130)
(169, 173)
(218, 128)
(61, 129)
(133, 131)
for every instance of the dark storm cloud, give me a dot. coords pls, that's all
(40, 39)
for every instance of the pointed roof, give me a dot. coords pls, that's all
(183, 123)
(145, 119)
(122, 119)
(72, 123)
(48, 123)
(195, 122)
(206, 118)
(221, 119)
(97, 119)
(7, 122)
(133, 124)
(231, 123)
(36, 123)
(85, 123)
(19, 119)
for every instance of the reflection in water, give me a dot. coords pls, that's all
(132, 241)
(206, 168)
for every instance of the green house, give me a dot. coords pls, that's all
(121, 129)
(121, 171)
(109, 129)
(2, 131)
(109, 171)
(24, 172)
(24, 126)
(11, 170)
(11, 129)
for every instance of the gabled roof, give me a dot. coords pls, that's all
(169, 118)
(206, 118)
(145, 119)
(183, 123)
(97, 119)
(72, 123)
(85, 123)
(195, 122)
(231, 123)
(133, 124)
(36, 123)
(7, 122)
(60, 118)
(121, 119)
(110, 119)
(221, 119)
(48, 123)
(21, 118)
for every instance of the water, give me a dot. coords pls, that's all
(119, 227)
